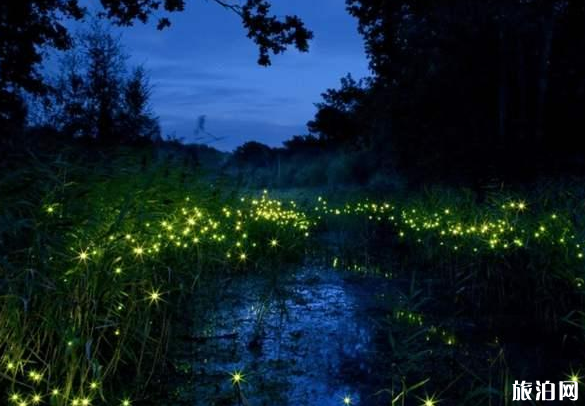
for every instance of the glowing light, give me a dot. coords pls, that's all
(237, 377)
(126, 402)
(138, 251)
(94, 385)
(575, 377)
(154, 296)
(35, 376)
(83, 256)
(36, 399)
(274, 243)
(347, 400)
(521, 206)
(430, 401)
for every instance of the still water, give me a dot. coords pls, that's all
(312, 339)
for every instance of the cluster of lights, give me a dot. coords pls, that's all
(498, 230)
(255, 226)
(243, 231)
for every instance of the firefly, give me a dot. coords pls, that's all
(154, 296)
(139, 251)
(35, 376)
(429, 401)
(83, 256)
(237, 377)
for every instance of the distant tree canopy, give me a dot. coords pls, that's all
(253, 153)
(28, 27)
(466, 88)
(96, 96)
(340, 117)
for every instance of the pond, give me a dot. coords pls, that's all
(314, 338)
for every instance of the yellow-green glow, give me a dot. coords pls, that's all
(574, 376)
(154, 296)
(83, 256)
(35, 376)
(237, 377)
(430, 401)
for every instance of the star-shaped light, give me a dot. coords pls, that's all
(237, 377)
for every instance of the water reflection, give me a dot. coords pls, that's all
(308, 340)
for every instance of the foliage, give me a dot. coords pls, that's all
(95, 257)
(466, 92)
(98, 255)
(339, 118)
(95, 96)
(28, 28)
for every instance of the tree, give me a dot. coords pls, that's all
(339, 119)
(96, 97)
(254, 154)
(477, 89)
(106, 69)
(69, 109)
(28, 27)
(137, 120)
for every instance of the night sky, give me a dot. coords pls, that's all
(204, 65)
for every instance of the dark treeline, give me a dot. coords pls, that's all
(467, 89)
(460, 91)
(463, 91)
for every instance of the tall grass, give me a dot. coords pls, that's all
(96, 256)
(99, 253)
(497, 276)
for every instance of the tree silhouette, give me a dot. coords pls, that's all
(136, 118)
(468, 89)
(96, 97)
(28, 27)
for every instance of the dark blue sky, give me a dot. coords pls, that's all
(204, 65)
